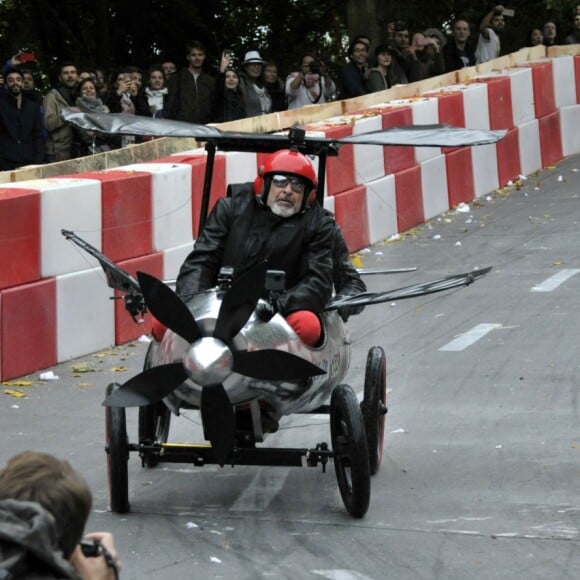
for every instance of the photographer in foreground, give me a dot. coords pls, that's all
(44, 506)
(311, 85)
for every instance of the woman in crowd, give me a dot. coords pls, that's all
(88, 101)
(155, 91)
(275, 87)
(310, 85)
(229, 101)
(256, 97)
(381, 77)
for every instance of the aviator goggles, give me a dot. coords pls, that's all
(297, 185)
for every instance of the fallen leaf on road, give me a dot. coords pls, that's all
(18, 383)
(14, 393)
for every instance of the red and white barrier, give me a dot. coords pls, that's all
(54, 301)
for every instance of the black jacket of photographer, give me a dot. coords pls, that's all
(241, 230)
(21, 140)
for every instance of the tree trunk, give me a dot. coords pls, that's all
(368, 17)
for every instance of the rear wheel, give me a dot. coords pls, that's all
(374, 405)
(349, 445)
(117, 447)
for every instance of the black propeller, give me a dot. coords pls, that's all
(238, 304)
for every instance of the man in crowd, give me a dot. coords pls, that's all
(20, 126)
(353, 74)
(190, 91)
(457, 53)
(550, 33)
(60, 134)
(489, 45)
(406, 65)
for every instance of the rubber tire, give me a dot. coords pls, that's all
(154, 421)
(374, 405)
(117, 447)
(350, 453)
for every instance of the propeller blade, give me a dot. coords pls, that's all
(125, 124)
(117, 278)
(426, 136)
(168, 308)
(274, 365)
(368, 298)
(148, 387)
(219, 421)
(239, 302)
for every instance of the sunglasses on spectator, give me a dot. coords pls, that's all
(296, 184)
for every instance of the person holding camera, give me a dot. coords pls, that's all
(311, 85)
(488, 44)
(44, 507)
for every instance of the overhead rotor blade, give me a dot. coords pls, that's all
(168, 308)
(148, 387)
(426, 136)
(413, 135)
(239, 302)
(274, 365)
(125, 124)
(219, 421)
(368, 298)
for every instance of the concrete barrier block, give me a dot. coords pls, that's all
(19, 236)
(484, 165)
(564, 81)
(85, 315)
(569, 123)
(28, 328)
(397, 158)
(508, 157)
(550, 138)
(126, 329)
(173, 258)
(351, 216)
(434, 187)
(369, 163)
(523, 94)
(529, 147)
(409, 196)
(381, 208)
(171, 202)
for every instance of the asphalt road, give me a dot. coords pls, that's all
(482, 458)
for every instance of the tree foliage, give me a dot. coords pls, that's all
(112, 33)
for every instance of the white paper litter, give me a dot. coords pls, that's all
(457, 243)
(144, 338)
(437, 237)
(48, 376)
(215, 560)
(191, 525)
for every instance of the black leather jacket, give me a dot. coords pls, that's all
(242, 230)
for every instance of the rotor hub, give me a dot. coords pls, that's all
(208, 361)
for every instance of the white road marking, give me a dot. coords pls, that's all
(341, 574)
(554, 281)
(470, 337)
(261, 491)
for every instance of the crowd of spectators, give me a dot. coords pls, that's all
(32, 130)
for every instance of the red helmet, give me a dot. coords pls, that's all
(287, 162)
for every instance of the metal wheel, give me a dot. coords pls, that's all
(349, 445)
(374, 405)
(117, 448)
(154, 421)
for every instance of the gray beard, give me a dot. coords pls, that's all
(282, 210)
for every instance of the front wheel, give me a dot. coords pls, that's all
(117, 447)
(374, 405)
(349, 445)
(154, 421)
